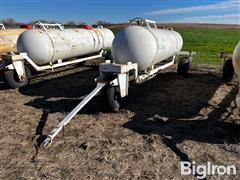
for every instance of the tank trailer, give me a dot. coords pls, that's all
(140, 51)
(49, 46)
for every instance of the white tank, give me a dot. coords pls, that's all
(236, 59)
(145, 45)
(49, 45)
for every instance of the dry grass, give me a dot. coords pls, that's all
(162, 122)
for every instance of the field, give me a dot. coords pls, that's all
(207, 42)
(162, 122)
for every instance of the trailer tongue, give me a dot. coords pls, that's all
(69, 117)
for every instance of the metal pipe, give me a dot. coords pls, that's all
(53, 66)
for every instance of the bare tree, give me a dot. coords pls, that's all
(102, 22)
(44, 21)
(71, 24)
(10, 22)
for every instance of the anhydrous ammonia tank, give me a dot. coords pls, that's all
(8, 39)
(45, 46)
(236, 59)
(145, 46)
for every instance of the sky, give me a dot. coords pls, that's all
(90, 11)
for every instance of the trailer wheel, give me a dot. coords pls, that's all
(113, 99)
(228, 71)
(183, 67)
(12, 79)
(108, 56)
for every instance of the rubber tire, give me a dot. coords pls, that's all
(228, 71)
(183, 67)
(113, 98)
(11, 78)
(108, 56)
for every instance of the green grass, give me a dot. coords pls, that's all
(115, 30)
(208, 43)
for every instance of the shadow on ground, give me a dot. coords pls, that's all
(167, 105)
(173, 112)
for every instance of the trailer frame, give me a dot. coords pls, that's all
(115, 75)
(17, 62)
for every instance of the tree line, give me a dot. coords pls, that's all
(10, 22)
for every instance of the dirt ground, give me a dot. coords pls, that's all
(162, 122)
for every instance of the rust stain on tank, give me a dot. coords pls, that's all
(97, 32)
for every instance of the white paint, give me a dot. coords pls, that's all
(145, 46)
(50, 45)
